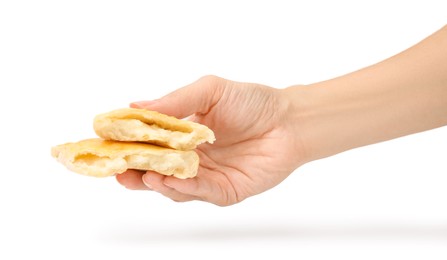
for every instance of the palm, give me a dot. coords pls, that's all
(252, 151)
(240, 174)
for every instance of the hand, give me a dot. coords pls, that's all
(263, 134)
(255, 149)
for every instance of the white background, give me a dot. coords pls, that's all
(63, 62)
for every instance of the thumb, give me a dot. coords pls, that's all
(198, 97)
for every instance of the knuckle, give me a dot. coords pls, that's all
(211, 81)
(209, 77)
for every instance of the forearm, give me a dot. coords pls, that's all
(402, 95)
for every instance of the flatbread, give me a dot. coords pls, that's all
(141, 125)
(101, 158)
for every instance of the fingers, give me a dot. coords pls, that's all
(213, 188)
(186, 186)
(132, 179)
(179, 190)
(139, 180)
(198, 97)
(155, 181)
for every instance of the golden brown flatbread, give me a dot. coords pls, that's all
(141, 125)
(101, 158)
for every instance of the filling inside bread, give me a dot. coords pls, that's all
(133, 129)
(92, 160)
(98, 165)
(103, 165)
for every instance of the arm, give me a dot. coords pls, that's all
(264, 134)
(402, 95)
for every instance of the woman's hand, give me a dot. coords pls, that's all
(255, 149)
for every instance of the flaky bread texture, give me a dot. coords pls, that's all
(141, 125)
(101, 158)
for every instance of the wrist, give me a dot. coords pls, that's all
(331, 117)
(298, 100)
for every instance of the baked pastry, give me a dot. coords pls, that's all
(141, 125)
(101, 158)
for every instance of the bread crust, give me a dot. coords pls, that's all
(141, 125)
(101, 158)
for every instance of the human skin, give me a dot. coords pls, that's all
(263, 134)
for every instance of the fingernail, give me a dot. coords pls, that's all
(146, 182)
(142, 104)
